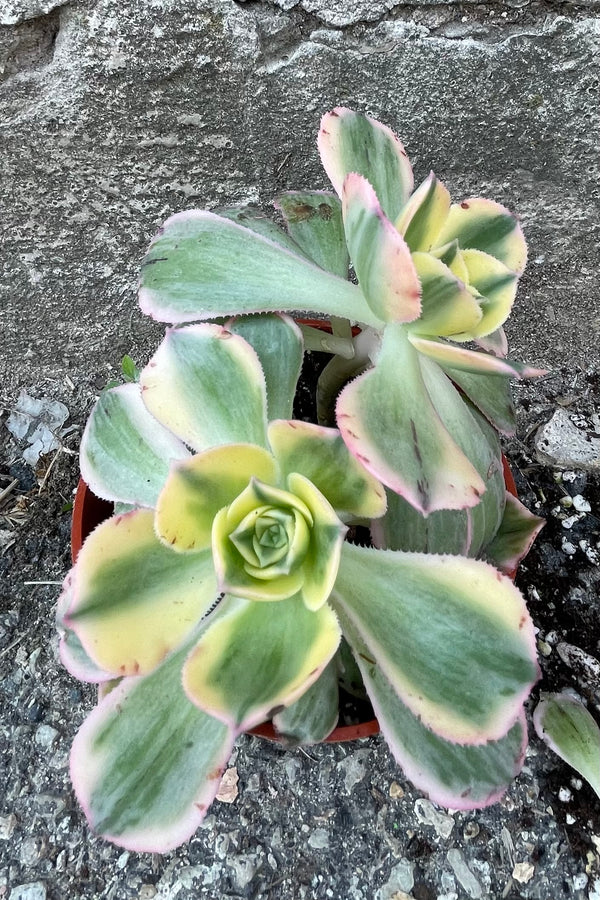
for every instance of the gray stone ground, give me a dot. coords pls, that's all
(115, 114)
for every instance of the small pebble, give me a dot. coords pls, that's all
(581, 504)
(580, 881)
(565, 795)
(570, 820)
(523, 872)
(396, 791)
(7, 826)
(429, 815)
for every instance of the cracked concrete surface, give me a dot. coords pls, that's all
(114, 114)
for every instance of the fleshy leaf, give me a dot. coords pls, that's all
(125, 453)
(352, 142)
(484, 225)
(314, 220)
(453, 775)
(257, 657)
(452, 635)
(254, 219)
(572, 733)
(201, 266)
(218, 382)
(495, 343)
(474, 361)
(321, 455)
(327, 534)
(391, 426)
(497, 285)
(312, 717)
(196, 490)
(380, 256)
(518, 530)
(464, 532)
(447, 306)
(147, 763)
(72, 654)
(135, 600)
(277, 341)
(239, 571)
(492, 396)
(423, 216)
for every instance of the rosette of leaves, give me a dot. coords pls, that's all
(217, 596)
(431, 275)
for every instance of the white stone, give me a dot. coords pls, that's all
(35, 890)
(429, 815)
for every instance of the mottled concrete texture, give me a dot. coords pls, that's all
(116, 113)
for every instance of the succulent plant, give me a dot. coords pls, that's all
(431, 275)
(217, 596)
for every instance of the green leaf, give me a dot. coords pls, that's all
(453, 775)
(125, 452)
(195, 492)
(491, 395)
(254, 219)
(256, 657)
(207, 386)
(201, 266)
(517, 532)
(135, 600)
(321, 455)
(474, 361)
(463, 532)
(277, 341)
(312, 717)
(147, 763)
(484, 225)
(572, 733)
(314, 220)
(391, 425)
(452, 636)
(129, 369)
(380, 256)
(448, 307)
(423, 216)
(352, 142)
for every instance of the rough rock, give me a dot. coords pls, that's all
(569, 442)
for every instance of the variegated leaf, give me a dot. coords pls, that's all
(125, 453)
(453, 775)
(474, 361)
(147, 763)
(321, 455)
(421, 219)
(257, 657)
(380, 256)
(72, 654)
(202, 266)
(484, 225)
(134, 600)
(497, 286)
(314, 220)
(312, 717)
(278, 343)
(452, 635)
(196, 490)
(254, 219)
(459, 531)
(491, 396)
(352, 142)
(327, 534)
(208, 387)
(447, 306)
(517, 532)
(572, 733)
(392, 427)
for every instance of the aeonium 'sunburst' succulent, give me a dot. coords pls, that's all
(431, 275)
(217, 595)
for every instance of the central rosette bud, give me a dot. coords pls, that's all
(270, 543)
(273, 540)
